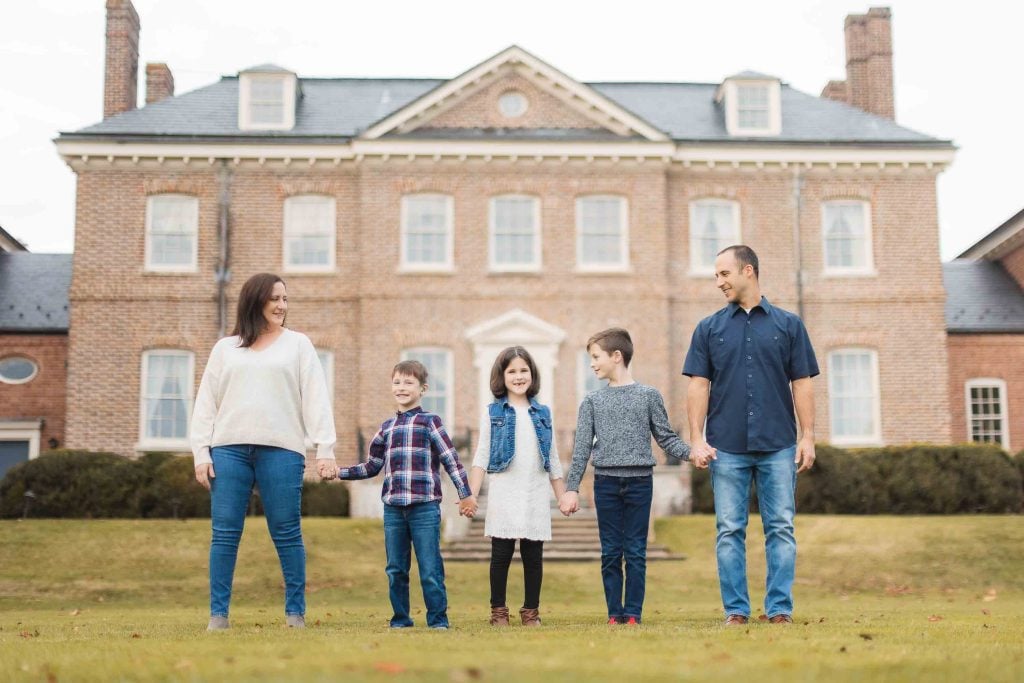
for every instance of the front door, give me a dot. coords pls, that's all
(11, 453)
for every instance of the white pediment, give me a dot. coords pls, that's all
(515, 327)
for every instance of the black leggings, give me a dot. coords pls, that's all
(533, 569)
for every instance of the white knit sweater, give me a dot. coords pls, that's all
(272, 397)
(518, 499)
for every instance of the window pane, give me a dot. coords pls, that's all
(986, 414)
(266, 100)
(167, 394)
(845, 238)
(426, 229)
(173, 222)
(602, 230)
(714, 228)
(309, 230)
(514, 230)
(853, 399)
(752, 106)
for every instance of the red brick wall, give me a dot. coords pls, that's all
(44, 396)
(999, 356)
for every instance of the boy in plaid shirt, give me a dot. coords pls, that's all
(411, 447)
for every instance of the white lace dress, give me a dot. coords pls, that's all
(518, 499)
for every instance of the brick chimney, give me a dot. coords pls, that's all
(159, 83)
(869, 81)
(121, 71)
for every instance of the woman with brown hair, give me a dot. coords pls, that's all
(262, 393)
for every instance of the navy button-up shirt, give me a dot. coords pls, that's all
(751, 359)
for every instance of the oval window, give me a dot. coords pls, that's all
(17, 370)
(513, 104)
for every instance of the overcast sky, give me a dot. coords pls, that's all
(958, 71)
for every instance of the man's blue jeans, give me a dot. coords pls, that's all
(775, 475)
(418, 526)
(278, 473)
(623, 507)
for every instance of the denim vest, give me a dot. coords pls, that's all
(503, 433)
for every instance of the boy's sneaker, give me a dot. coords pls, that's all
(632, 621)
(218, 624)
(295, 621)
(612, 621)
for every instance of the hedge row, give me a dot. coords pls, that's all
(912, 480)
(68, 483)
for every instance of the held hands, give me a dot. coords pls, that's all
(701, 454)
(204, 473)
(468, 506)
(569, 503)
(327, 469)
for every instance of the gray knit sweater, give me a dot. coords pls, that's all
(615, 426)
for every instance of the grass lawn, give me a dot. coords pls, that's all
(877, 599)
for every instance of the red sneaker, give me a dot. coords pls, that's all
(632, 622)
(612, 621)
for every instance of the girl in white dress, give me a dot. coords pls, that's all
(518, 451)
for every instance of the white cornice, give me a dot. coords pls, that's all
(77, 152)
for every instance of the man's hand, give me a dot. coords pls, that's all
(204, 473)
(701, 454)
(569, 502)
(805, 454)
(468, 506)
(327, 469)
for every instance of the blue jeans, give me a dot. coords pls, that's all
(775, 474)
(623, 507)
(278, 472)
(418, 527)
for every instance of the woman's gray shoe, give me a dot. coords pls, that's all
(218, 624)
(295, 621)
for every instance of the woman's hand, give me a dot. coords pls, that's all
(327, 469)
(204, 473)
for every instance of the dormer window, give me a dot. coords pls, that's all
(752, 104)
(266, 98)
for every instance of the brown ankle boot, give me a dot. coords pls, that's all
(499, 616)
(530, 617)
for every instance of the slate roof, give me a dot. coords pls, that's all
(34, 292)
(332, 110)
(981, 297)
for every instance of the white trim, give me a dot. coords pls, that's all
(190, 267)
(332, 246)
(1004, 414)
(536, 264)
(446, 266)
(23, 430)
(868, 269)
(20, 356)
(154, 444)
(729, 90)
(865, 157)
(289, 86)
(536, 70)
(449, 379)
(875, 438)
(697, 268)
(623, 264)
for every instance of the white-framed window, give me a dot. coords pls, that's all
(753, 105)
(327, 363)
(266, 100)
(17, 370)
(854, 401)
(309, 233)
(846, 231)
(602, 233)
(714, 225)
(514, 228)
(586, 380)
(172, 227)
(987, 417)
(427, 243)
(440, 380)
(165, 404)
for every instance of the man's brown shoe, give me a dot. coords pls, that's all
(499, 616)
(781, 619)
(736, 620)
(530, 617)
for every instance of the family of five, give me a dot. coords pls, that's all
(263, 397)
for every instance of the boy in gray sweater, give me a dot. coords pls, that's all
(614, 427)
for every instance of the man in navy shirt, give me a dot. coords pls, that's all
(758, 362)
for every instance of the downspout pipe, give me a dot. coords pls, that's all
(798, 255)
(223, 274)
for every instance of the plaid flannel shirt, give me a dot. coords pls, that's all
(410, 448)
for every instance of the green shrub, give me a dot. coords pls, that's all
(324, 499)
(173, 491)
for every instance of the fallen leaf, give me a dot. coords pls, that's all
(990, 595)
(389, 667)
(316, 623)
(26, 634)
(935, 617)
(762, 617)
(75, 612)
(866, 636)
(822, 620)
(136, 635)
(985, 612)
(842, 649)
